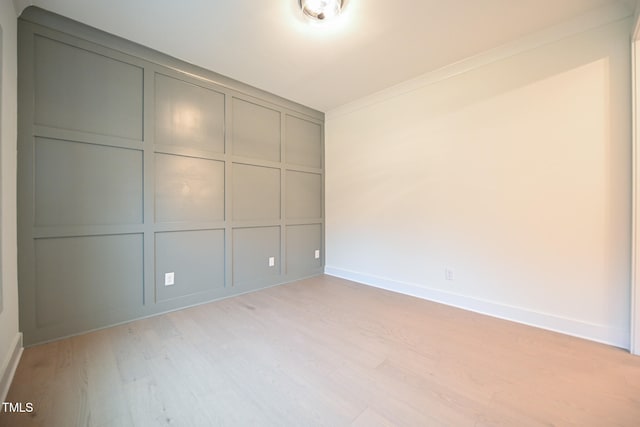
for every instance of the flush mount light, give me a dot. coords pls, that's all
(321, 10)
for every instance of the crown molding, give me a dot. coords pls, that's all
(20, 5)
(594, 19)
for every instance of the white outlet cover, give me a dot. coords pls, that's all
(272, 261)
(448, 274)
(317, 254)
(169, 279)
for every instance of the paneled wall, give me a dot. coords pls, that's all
(134, 165)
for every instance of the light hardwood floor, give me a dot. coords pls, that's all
(325, 351)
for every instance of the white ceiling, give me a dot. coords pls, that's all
(375, 44)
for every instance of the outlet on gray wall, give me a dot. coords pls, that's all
(135, 166)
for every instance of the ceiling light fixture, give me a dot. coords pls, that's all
(321, 10)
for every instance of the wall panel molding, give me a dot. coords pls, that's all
(134, 165)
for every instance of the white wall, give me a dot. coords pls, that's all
(10, 339)
(635, 260)
(516, 174)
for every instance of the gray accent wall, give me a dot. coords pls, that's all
(133, 165)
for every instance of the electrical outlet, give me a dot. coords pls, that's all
(448, 274)
(169, 279)
(317, 254)
(272, 261)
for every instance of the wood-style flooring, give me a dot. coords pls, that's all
(325, 351)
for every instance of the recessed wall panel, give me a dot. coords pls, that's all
(252, 248)
(188, 189)
(85, 184)
(302, 243)
(133, 164)
(256, 192)
(196, 258)
(77, 277)
(304, 195)
(80, 90)
(256, 131)
(304, 142)
(188, 115)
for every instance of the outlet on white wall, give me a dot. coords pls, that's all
(272, 261)
(448, 274)
(169, 279)
(317, 254)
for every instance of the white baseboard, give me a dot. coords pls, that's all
(9, 366)
(599, 333)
